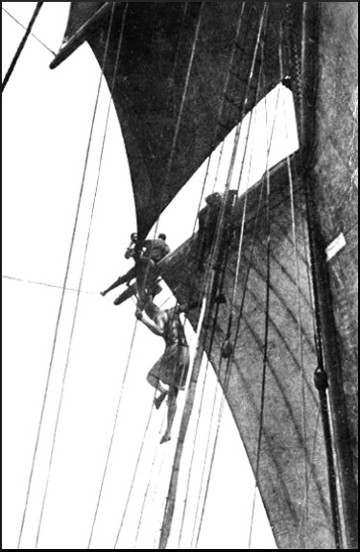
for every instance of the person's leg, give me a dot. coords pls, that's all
(155, 382)
(129, 292)
(121, 280)
(172, 398)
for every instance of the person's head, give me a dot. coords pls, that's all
(213, 199)
(134, 237)
(162, 237)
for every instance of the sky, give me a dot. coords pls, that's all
(46, 126)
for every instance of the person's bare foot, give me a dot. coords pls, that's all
(158, 402)
(103, 293)
(166, 437)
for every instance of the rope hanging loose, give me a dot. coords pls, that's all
(21, 45)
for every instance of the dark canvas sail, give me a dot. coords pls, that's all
(150, 87)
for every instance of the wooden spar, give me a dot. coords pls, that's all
(170, 502)
(81, 35)
(314, 99)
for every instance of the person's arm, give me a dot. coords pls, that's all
(156, 327)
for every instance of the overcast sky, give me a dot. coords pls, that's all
(46, 125)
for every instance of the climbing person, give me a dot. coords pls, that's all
(172, 367)
(219, 208)
(146, 255)
(208, 219)
(131, 252)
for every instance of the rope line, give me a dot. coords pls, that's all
(233, 298)
(33, 282)
(236, 145)
(235, 148)
(74, 317)
(220, 415)
(21, 45)
(150, 479)
(250, 260)
(217, 243)
(266, 338)
(296, 260)
(221, 109)
(184, 95)
(192, 457)
(134, 476)
(170, 505)
(112, 434)
(204, 466)
(59, 315)
(31, 34)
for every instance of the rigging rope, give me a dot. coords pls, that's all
(309, 147)
(32, 282)
(296, 260)
(221, 109)
(169, 510)
(134, 476)
(150, 479)
(193, 455)
(217, 173)
(243, 300)
(184, 95)
(21, 45)
(112, 434)
(76, 305)
(203, 471)
(266, 342)
(31, 34)
(223, 260)
(59, 314)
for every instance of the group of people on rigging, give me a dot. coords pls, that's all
(143, 281)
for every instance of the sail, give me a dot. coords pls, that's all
(181, 84)
(292, 475)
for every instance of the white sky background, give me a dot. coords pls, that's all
(46, 124)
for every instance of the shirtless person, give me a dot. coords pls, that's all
(172, 367)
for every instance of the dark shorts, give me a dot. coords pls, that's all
(173, 366)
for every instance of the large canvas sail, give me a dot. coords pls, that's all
(181, 82)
